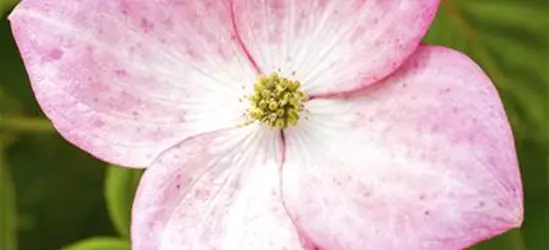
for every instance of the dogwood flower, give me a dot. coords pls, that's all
(278, 124)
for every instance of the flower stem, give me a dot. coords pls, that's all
(25, 124)
(515, 236)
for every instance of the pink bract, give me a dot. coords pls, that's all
(402, 146)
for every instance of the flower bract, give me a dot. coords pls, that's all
(278, 124)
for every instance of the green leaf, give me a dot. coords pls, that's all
(120, 186)
(8, 230)
(100, 243)
(6, 4)
(59, 192)
(508, 38)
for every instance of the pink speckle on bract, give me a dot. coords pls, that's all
(55, 54)
(401, 145)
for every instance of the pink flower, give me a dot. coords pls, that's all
(399, 146)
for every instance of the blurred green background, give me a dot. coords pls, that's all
(54, 196)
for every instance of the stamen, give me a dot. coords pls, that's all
(276, 101)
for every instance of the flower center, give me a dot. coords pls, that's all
(276, 101)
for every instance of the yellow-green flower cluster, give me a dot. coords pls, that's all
(277, 101)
